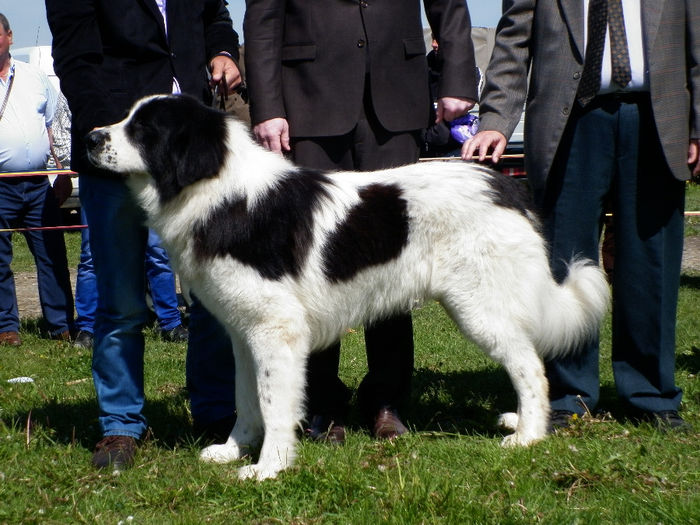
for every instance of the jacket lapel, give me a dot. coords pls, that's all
(573, 16)
(152, 8)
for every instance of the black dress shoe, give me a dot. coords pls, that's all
(387, 424)
(116, 452)
(83, 339)
(559, 419)
(179, 334)
(216, 432)
(669, 421)
(325, 428)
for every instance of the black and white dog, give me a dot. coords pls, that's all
(288, 258)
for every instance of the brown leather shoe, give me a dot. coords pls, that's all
(10, 339)
(387, 424)
(324, 428)
(115, 451)
(62, 336)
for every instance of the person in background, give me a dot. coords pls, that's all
(27, 106)
(439, 139)
(612, 117)
(344, 85)
(108, 54)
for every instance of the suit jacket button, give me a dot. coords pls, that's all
(363, 4)
(577, 75)
(566, 110)
(360, 43)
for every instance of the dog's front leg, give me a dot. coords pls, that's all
(248, 430)
(280, 374)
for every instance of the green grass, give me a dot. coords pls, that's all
(692, 203)
(450, 470)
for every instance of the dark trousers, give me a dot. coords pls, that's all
(30, 202)
(389, 343)
(611, 153)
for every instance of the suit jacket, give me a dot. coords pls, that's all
(545, 39)
(110, 53)
(306, 61)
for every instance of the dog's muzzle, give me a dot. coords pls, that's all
(95, 141)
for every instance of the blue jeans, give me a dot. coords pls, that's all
(610, 152)
(160, 277)
(118, 240)
(30, 202)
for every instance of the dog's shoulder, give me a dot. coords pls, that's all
(271, 230)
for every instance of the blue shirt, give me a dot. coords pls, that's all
(24, 139)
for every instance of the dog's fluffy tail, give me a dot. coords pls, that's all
(572, 312)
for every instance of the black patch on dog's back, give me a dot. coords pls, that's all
(181, 141)
(374, 232)
(275, 236)
(507, 192)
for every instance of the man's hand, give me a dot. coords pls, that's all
(273, 134)
(482, 142)
(450, 108)
(62, 188)
(221, 65)
(694, 158)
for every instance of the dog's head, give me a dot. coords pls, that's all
(173, 138)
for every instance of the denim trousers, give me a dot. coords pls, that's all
(610, 153)
(159, 276)
(30, 202)
(118, 240)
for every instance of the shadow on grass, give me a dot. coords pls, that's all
(448, 402)
(690, 363)
(457, 402)
(76, 423)
(690, 280)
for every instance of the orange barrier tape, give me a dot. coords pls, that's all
(35, 173)
(42, 228)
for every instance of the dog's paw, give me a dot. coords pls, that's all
(220, 453)
(519, 439)
(508, 421)
(258, 472)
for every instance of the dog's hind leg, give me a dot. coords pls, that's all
(248, 430)
(526, 372)
(502, 339)
(280, 373)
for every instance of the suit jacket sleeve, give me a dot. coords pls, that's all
(505, 90)
(262, 27)
(693, 28)
(218, 30)
(451, 26)
(77, 54)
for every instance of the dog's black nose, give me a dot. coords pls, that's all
(95, 139)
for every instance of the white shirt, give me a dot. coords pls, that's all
(24, 140)
(633, 27)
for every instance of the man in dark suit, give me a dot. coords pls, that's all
(624, 129)
(108, 54)
(344, 85)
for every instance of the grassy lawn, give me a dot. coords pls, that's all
(451, 469)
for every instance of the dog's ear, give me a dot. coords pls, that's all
(182, 142)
